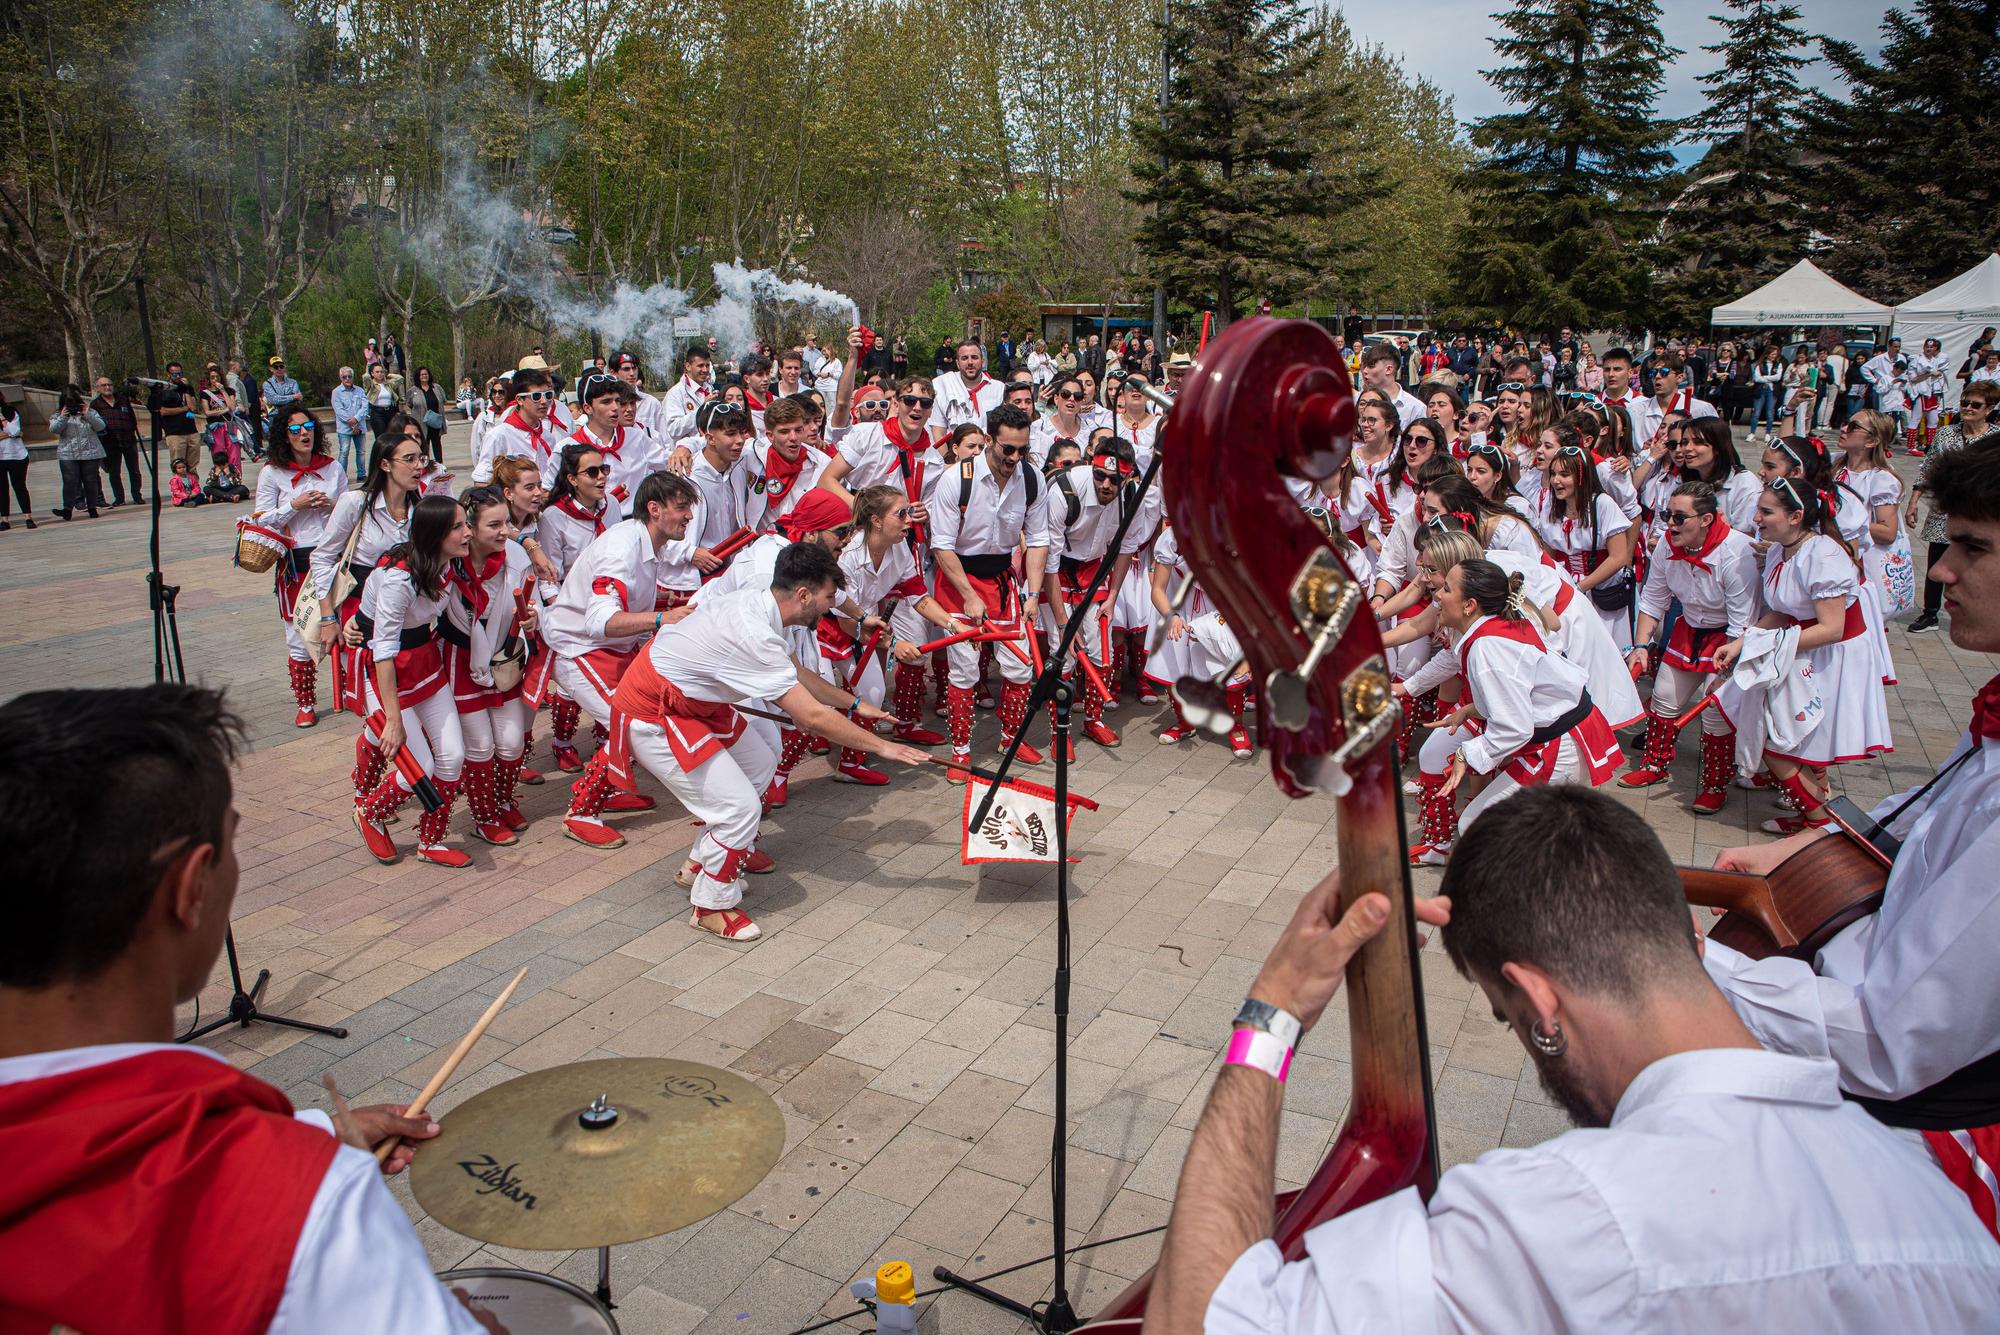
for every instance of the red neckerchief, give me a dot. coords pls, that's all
(1986, 712)
(914, 455)
(697, 388)
(1718, 529)
(583, 437)
(751, 399)
(569, 507)
(473, 587)
(300, 472)
(780, 472)
(534, 434)
(1135, 430)
(1682, 402)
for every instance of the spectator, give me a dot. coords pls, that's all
(384, 398)
(121, 439)
(1832, 387)
(172, 407)
(1566, 371)
(13, 466)
(370, 355)
(225, 484)
(249, 404)
(1766, 376)
(1003, 355)
(184, 487)
(1988, 370)
(1589, 375)
(280, 391)
(218, 411)
(350, 421)
(78, 450)
(942, 360)
(427, 406)
(392, 357)
(468, 398)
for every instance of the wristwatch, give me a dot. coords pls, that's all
(1262, 1015)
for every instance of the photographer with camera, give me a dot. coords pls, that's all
(78, 452)
(172, 407)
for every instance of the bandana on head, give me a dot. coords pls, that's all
(1112, 463)
(816, 512)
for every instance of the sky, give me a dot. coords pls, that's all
(1449, 42)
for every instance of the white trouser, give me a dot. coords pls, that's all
(1089, 636)
(1434, 756)
(870, 686)
(1407, 658)
(578, 688)
(1569, 769)
(295, 644)
(501, 730)
(964, 658)
(430, 728)
(726, 793)
(1676, 689)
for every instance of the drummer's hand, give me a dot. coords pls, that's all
(1763, 859)
(868, 713)
(379, 1121)
(906, 651)
(483, 1315)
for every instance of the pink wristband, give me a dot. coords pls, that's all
(1261, 1051)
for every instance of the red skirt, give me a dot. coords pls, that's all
(467, 694)
(419, 675)
(1693, 650)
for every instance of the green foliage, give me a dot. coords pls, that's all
(1565, 186)
(1900, 176)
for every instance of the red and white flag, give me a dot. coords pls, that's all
(1020, 826)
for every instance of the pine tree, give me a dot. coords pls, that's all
(1228, 179)
(1566, 187)
(1901, 175)
(1734, 227)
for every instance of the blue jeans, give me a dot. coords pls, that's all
(1765, 414)
(352, 447)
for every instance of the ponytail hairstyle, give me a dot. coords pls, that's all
(872, 503)
(572, 460)
(1572, 458)
(1457, 496)
(1616, 437)
(431, 522)
(1497, 593)
(1808, 460)
(1589, 426)
(1714, 433)
(1819, 508)
(1439, 465)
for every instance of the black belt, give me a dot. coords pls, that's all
(1548, 732)
(410, 639)
(300, 559)
(449, 632)
(987, 566)
(360, 572)
(1968, 1097)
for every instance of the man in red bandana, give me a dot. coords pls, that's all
(524, 428)
(1085, 504)
(1907, 1000)
(151, 1186)
(1712, 569)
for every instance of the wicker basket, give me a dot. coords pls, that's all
(258, 548)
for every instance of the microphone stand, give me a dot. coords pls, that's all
(168, 666)
(1051, 687)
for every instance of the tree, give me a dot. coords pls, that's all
(1229, 178)
(1733, 227)
(1900, 177)
(1565, 189)
(881, 256)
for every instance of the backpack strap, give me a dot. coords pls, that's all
(1073, 504)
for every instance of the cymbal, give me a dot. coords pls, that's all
(533, 1164)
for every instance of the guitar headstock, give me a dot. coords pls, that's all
(1270, 399)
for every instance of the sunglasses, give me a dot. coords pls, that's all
(916, 401)
(595, 470)
(1105, 475)
(539, 395)
(866, 404)
(1011, 451)
(296, 427)
(1069, 393)
(842, 533)
(902, 512)
(1680, 516)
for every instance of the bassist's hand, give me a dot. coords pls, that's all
(1304, 969)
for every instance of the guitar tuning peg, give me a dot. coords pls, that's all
(1205, 704)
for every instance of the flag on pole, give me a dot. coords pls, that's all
(1020, 827)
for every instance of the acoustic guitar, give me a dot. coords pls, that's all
(1270, 399)
(1807, 900)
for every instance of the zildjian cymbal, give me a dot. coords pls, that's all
(597, 1153)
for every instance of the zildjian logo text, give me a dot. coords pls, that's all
(498, 1177)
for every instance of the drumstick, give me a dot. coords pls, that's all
(435, 1083)
(861, 659)
(948, 641)
(1700, 705)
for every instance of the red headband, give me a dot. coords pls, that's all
(816, 512)
(1119, 464)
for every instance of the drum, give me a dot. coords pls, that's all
(530, 1304)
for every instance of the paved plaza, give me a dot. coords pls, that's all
(898, 1007)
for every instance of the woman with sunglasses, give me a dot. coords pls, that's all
(489, 618)
(1070, 420)
(1710, 571)
(396, 674)
(1803, 459)
(885, 579)
(1870, 513)
(578, 511)
(380, 513)
(296, 492)
(1132, 616)
(1586, 531)
(1824, 703)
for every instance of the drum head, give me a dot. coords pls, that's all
(532, 1304)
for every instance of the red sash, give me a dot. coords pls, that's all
(1853, 628)
(696, 730)
(1073, 583)
(163, 1192)
(1970, 1159)
(1536, 763)
(1691, 653)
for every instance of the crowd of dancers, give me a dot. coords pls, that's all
(656, 562)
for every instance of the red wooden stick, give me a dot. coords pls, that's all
(861, 659)
(1096, 679)
(949, 640)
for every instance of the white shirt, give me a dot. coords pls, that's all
(1089, 537)
(958, 402)
(1880, 372)
(379, 533)
(996, 519)
(564, 536)
(872, 462)
(1927, 374)
(1576, 540)
(1643, 413)
(1725, 594)
(725, 498)
(1409, 408)
(505, 438)
(731, 649)
(357, 1264)
(870, 584)
(393, 604)
(1733, 1191)
(1044, 432)
(616, 573)
(631, 452)
(11, 447)
(277, 489)
(1518, 689)
(677, 407)
(1908, 995)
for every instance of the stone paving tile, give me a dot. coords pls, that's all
(900, 1007)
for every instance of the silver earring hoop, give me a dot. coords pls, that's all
(1552, 1044)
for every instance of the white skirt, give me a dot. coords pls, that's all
(1586, 643)
(1206, 651)
(1132, 607)
(1854, 718)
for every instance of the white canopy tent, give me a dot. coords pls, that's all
(1802, 295)
(1953, 313)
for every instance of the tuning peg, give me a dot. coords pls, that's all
(1285, 691)
(1206, 704)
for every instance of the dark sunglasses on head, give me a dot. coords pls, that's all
(916, 401)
